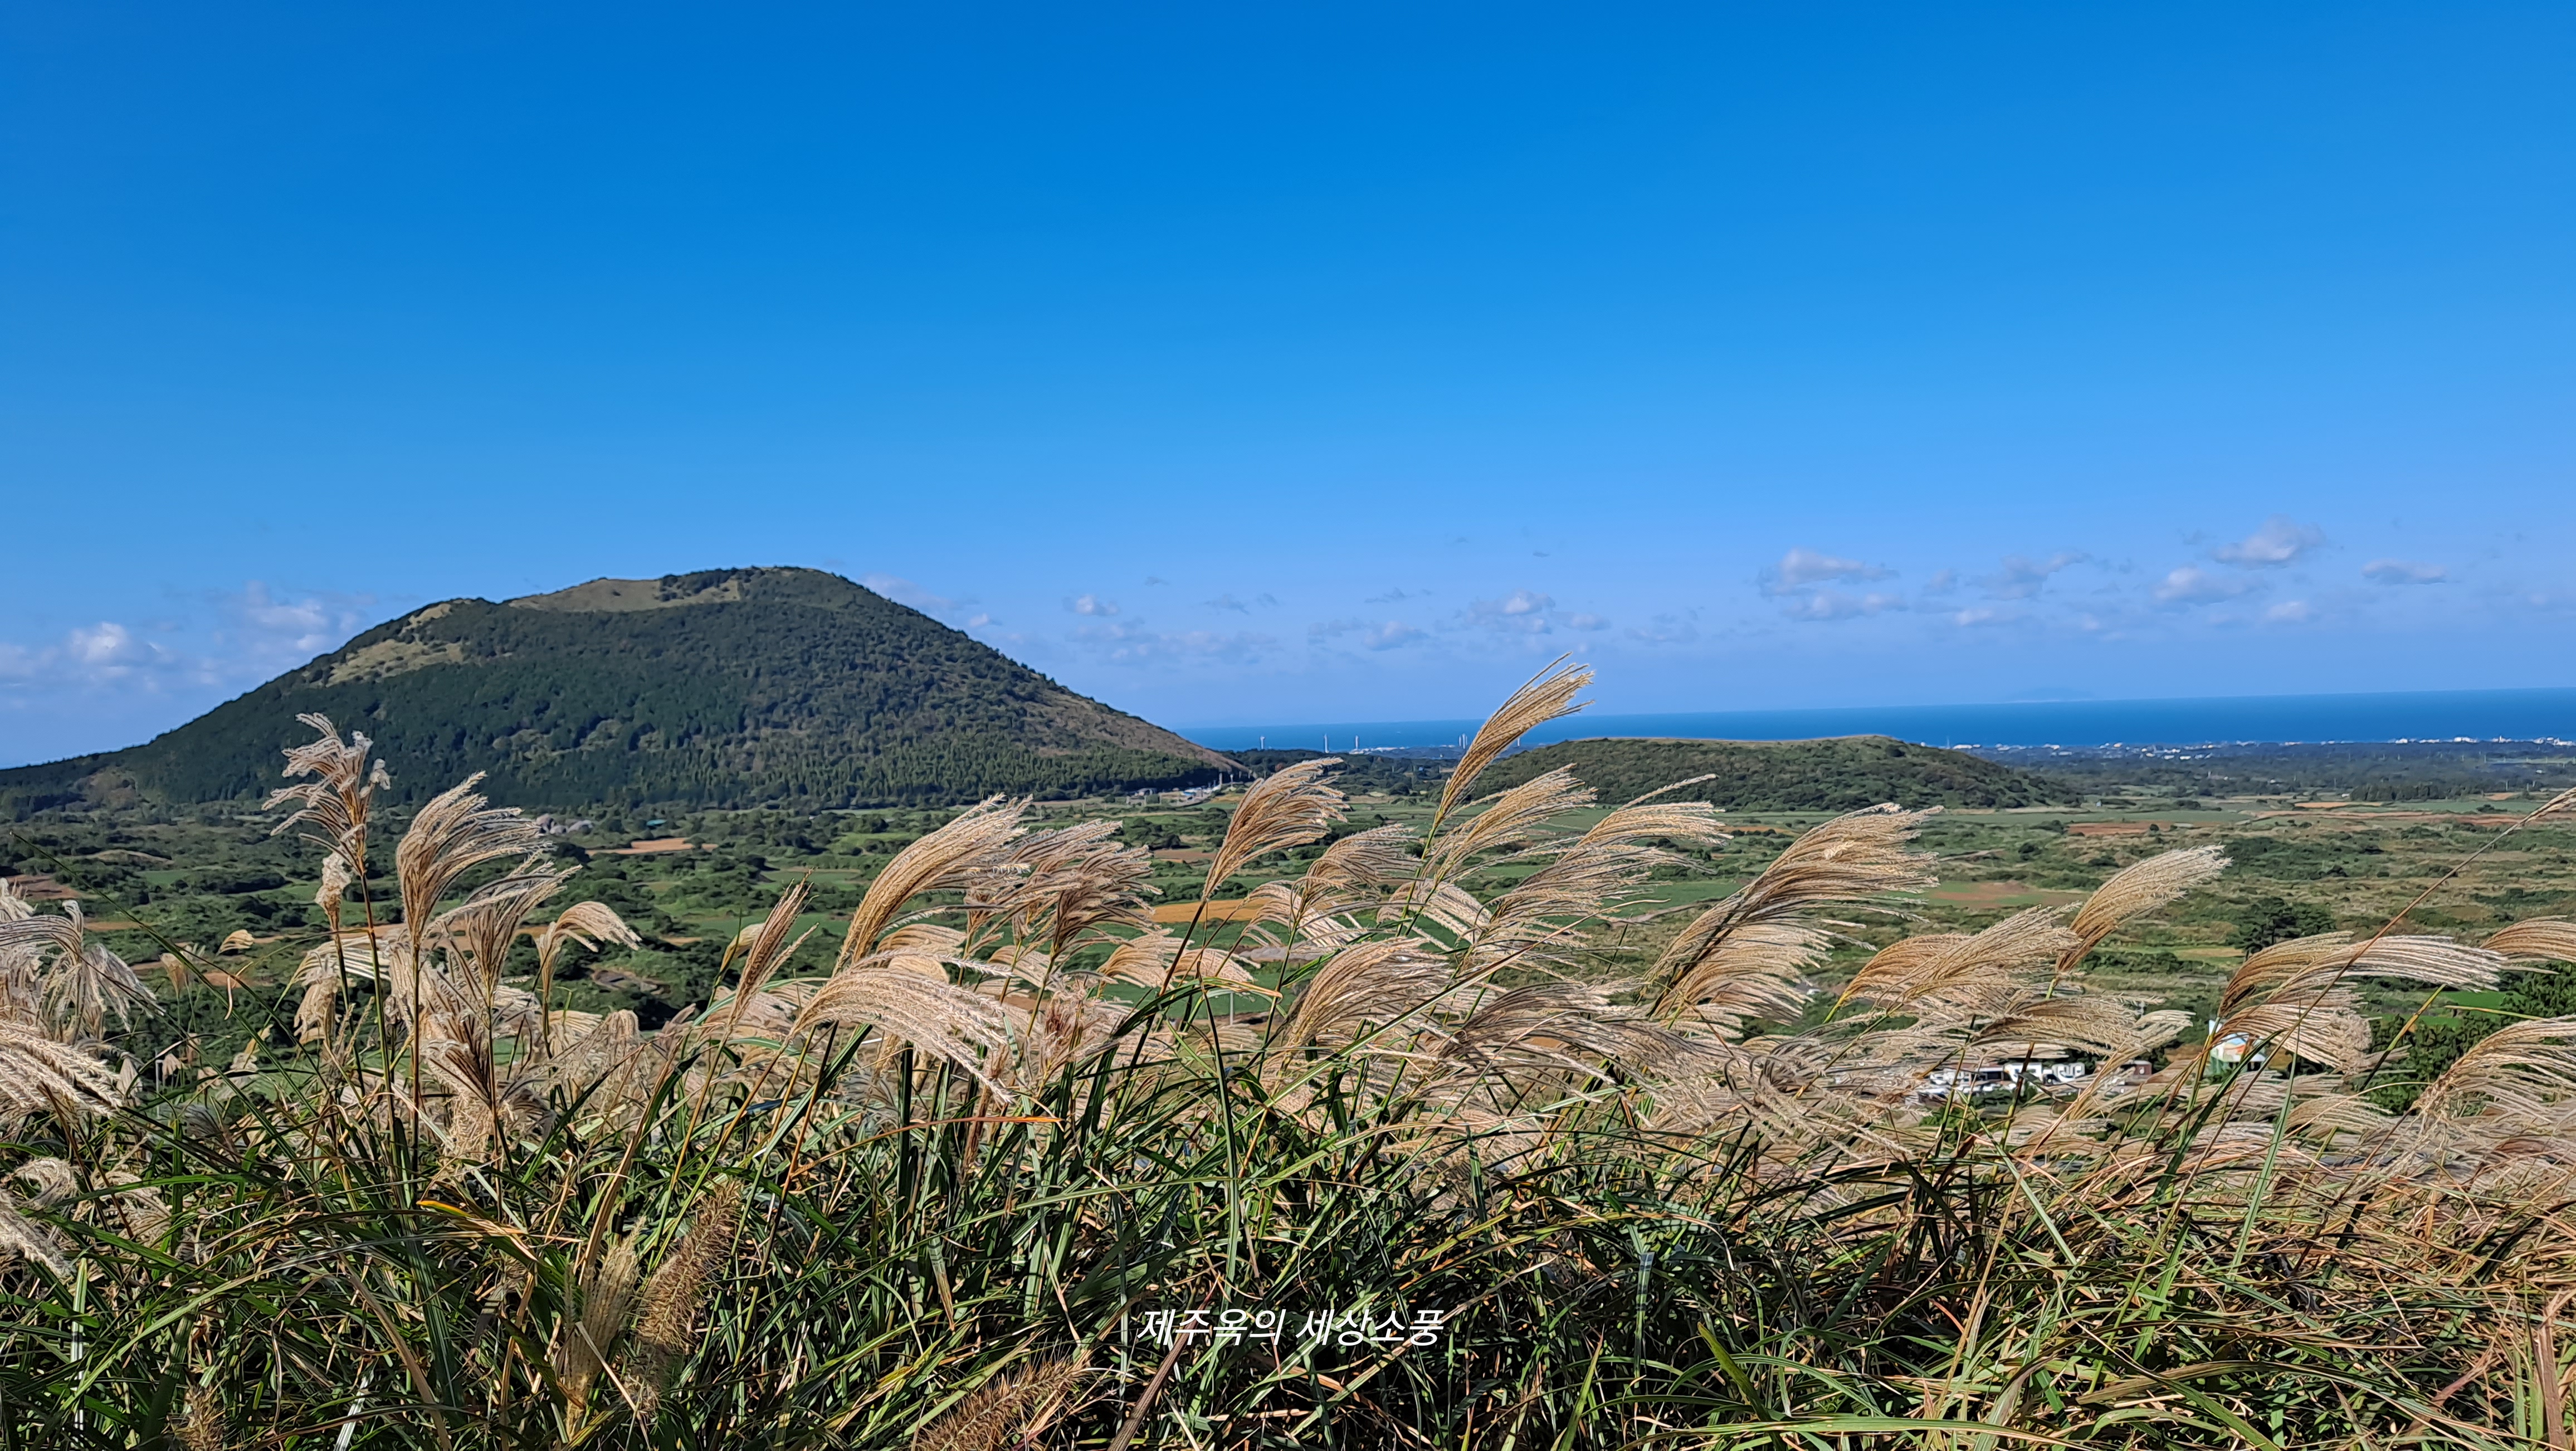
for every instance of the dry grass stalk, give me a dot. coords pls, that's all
(1011, 1408)
(1547, 696)
(606, 1305)
(2136, 890)
(1395, 1033)
(668, 1305)
(201, 1421)
(1857, 858)
(455, 833)
(336, 802)
(1287, 808)
(2536, 941)
(949, 858)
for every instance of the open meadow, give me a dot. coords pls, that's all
(1365, 1110)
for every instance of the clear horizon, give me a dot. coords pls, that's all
(1338, 363)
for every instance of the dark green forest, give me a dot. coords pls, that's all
(1841, 774)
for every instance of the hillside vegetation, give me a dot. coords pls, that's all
(730, 688)
(995, 1158)
(1841, 774)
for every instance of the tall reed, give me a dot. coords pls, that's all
(949, 1194)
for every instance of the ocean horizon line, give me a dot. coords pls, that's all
(2356, 718)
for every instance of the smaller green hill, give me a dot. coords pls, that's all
(1844, 773)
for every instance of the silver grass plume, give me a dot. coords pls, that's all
(483, 928)
(1511, 820)
(336, 802)
(1058, 885)
(2519, 1080)
(455, 833)
(1377, 982)
(2136, 890)
(1860, 857)
(85, 982)
(26, 943)
(1349, 874)
(2291, 995)
(1541, 917)
(1548, 695)
(936, 1016)
(38, 1073)
(1564, 1027)
(1287, 808)
(2538, 940)
(1965, 974)
(21, 1238)
(951, 857)
(584, 925)
(765, 946)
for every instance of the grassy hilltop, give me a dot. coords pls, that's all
(725, 688)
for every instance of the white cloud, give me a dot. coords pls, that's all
(1385, 635)
(1264, 601)
(2291, 612)
(1827, 605)
(2403, 571)
(1664, 630)
(256, 634)
(1975, 615)
(939, 606)
(272, 634)
(1521, 612)
(1942, 582)
(2021, 578)
(2280, 540)
(1136, 644)
(1586, 622)
(1802, 567)
(2191, 585)
(108, 653)
(1392, 596)
(1091, 605)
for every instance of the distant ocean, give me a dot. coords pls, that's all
(2520, 715)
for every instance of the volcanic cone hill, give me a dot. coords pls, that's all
(1842, 773)
(725, 688)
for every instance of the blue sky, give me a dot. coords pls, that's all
(1240, 363)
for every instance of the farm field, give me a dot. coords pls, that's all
(701, 879)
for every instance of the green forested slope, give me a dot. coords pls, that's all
(725, 688)
(1841, 774)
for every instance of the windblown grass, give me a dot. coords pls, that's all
(929, 1199)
